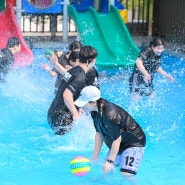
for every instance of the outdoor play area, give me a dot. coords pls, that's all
(30, 152)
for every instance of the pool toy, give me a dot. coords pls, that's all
(80, 166)
(48, 54)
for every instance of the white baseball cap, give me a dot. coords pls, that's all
(88, 93)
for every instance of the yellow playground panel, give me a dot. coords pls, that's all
(124, 15)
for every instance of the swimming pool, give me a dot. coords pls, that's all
(30, 154)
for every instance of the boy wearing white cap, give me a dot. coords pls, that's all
(121, 133)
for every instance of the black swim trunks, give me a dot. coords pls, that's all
(60, 121)
(138, 86)
(137, 82)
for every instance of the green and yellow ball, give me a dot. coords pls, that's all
(80, 166)
(48, 54)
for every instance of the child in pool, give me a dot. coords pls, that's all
(7, 56)
(147, 64)
(62, 61)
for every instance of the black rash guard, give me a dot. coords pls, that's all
(58, 114)
(6, 62)
(92, 77)
(151, 63)
(114, 122)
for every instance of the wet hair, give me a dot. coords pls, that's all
(87, 54)
(99, 102)
(157, 42)
(75, 45)
(74, 55)
(13, 41)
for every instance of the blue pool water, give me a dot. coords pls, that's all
(30, 154)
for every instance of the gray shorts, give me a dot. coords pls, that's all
(130, 159)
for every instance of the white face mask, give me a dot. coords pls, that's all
(158, 50)
(91, 106)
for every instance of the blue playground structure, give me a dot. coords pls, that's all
(41, 7)
(56, 6)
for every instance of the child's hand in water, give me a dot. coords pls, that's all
(108, 167)
(170, 78)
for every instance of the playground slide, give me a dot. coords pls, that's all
(9, 27)
(108, 34)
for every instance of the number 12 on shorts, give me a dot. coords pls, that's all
(129, 161)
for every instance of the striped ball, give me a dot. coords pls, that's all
(80, 166)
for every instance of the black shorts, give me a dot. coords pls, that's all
(138, 86)
(60, 121)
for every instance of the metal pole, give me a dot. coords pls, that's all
(97, 5)
(19, 11)
(65, 20)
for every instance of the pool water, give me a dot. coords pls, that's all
(30, 153)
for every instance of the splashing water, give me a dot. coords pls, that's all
(30, 153)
